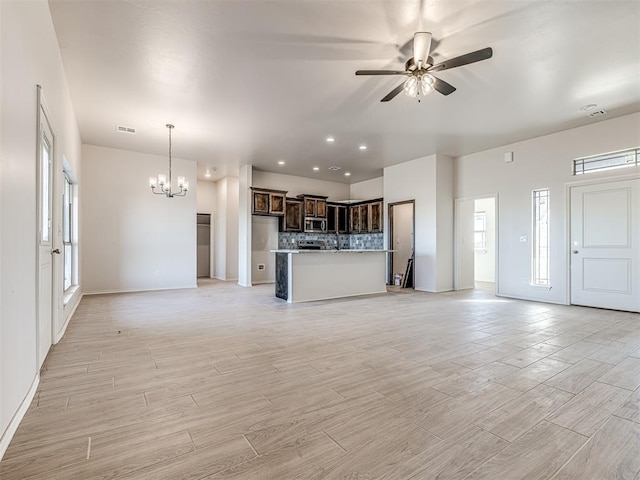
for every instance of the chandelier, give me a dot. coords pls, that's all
(163, 184)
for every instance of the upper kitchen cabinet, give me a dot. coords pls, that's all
(366, 217)
(293, 215)
(354, 215)
(266, 201)
(315, 206)
(337, 218)
(375, 217)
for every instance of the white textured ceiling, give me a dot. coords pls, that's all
(254, 82)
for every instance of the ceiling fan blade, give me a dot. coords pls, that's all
(443, 87)
(381, 72)
(393, 93)
(466, 59)
(421, 47)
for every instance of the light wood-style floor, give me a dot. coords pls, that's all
(225, 382)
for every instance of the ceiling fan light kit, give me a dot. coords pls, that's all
(420, 67)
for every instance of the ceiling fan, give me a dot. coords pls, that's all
(420, 68)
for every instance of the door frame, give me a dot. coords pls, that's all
(598, 180)
(43, 115)
(456, 237)
(390, 240)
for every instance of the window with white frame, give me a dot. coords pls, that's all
(541, 237)
(480, 231)
(68, 228)
(607, 161)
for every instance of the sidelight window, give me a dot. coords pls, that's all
(69, 227)
(541, 237)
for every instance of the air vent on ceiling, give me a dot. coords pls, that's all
(335, 168)
(597, 113)
(129, 130)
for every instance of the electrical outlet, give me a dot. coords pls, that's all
(523, 239)
(261, 266)
(157, 273)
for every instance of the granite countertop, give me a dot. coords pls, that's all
(344, 250)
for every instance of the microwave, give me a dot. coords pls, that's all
(315, 224)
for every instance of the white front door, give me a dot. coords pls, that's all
(45, 211)
(605, 245)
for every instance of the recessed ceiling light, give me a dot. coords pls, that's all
(315, 169)
(207, 173)
(589, 106)
(281, 162)
(347, 174)
(331, 139)
(362, 147)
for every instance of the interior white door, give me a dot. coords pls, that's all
(45, 264)
(465, 254)
(605, 245)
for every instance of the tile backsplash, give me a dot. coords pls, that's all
(360, 241)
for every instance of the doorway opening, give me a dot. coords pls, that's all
(402, 239)
(203, 250)
(476, 242)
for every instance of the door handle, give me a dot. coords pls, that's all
(575, 251)
(56, 251)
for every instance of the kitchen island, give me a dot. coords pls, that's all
(307, 275)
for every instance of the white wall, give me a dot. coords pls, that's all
(226, 229)
(244, 226)
(264, 238)
(206, 196)
(29, 55)
(297, 185)
(543, 162)
(428, 181)
(134, 240)
(367, 190)
(485, 260)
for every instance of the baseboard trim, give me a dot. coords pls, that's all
(60, 334)
(530, 299)
(104, 292)
(10, 431)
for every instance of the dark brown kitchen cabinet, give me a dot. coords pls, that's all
(315, 206)
(337, 218)
(364, 218)
(375, 217)
(276, 203)
(293, 215)
(342, 218)
(266, 201)
(260, 204)
(354, 214)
